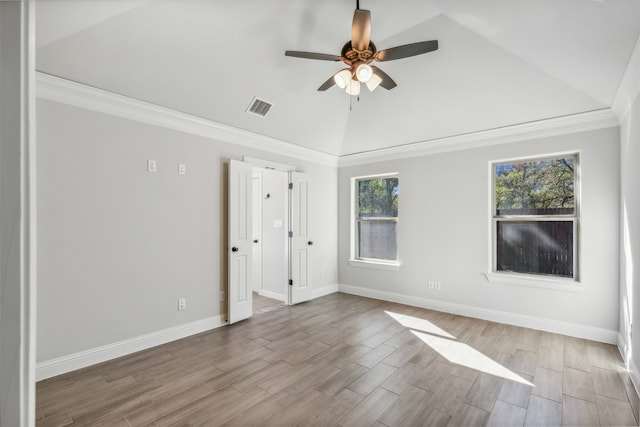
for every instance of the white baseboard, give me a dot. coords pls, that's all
(558, 327)
(61, 365)
(326, 290)
(634, 373)
(632, 368)
(272, 295)
(622, 347)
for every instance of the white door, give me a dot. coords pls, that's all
(300, 240)
(256, 252)
(239, 250)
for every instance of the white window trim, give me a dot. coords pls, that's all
(379, 265)
(369, 263)
(534, 281)
(572, 284)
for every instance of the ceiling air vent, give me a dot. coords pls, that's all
(259, 107)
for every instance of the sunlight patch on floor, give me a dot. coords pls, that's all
(418, 324)
(452, 350)
(465, 355)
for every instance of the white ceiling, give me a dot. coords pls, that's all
(500, 62)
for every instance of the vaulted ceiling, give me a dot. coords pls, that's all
(500, 62)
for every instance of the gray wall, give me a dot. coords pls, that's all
(630, 240)
(444, 231)
(118, 245)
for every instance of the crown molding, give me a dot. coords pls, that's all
(57, 89)
(592, 120)
(72, 93)
(629, 85)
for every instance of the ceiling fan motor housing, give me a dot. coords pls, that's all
(351, 55)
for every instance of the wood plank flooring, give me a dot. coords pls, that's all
(344, 360)
(262, 303)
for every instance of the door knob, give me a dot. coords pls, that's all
(310, 243)
(255, 240)
(234, 249)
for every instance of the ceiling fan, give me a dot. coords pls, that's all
(359, 52)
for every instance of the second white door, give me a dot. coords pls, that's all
(301, 239)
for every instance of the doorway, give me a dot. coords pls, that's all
(270, 225)
(283, 244)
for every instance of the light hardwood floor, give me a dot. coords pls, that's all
(351, 361)
(262, 303)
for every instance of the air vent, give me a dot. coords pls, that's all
(259, 107)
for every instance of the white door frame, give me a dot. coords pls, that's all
(305, 294)
(256, 244)
(18, 266)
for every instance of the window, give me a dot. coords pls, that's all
(535, 216)
(376, 219)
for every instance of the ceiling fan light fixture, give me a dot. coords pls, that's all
(373, 82)
(353, 88)
(343, 78)
(364, 72)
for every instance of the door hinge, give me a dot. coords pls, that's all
(291, 234)
(291, 186)
(290, 282)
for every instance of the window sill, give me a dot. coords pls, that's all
(541, 282)
(389, 266)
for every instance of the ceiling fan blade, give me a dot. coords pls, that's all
(361, 29)
(312, 55)
(406, 50)
(326, 85)
(387, 82)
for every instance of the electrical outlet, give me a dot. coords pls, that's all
(182, 169)
(438, 286)
(182, 303)
(151, 165)
(431, 284)
(221, 296)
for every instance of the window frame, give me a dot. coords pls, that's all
(549, 281)
(355, 260)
